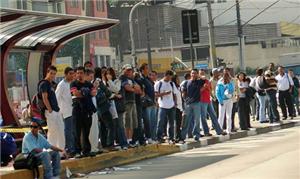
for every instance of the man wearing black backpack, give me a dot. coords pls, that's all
(164, 91)
(54, 118)
(35, 143)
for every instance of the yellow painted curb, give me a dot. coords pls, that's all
(102, 161)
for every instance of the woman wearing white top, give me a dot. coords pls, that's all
(243, 102)
(179, 107)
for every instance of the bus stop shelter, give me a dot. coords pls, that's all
(42, 34)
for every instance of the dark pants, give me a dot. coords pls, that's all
(70, 134)
(216, 106)
(108, 132)
(274, 114)
(285, 100)
(178, 123)
(83, 122)
(146, 122)
(257, 108)
(138, 133)
(234, 110)
(244, 113)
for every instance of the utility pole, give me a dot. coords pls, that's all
(191, 39)
(211, 34)
(240, 36)
(148, 39)
(134, 59)
(86, 38)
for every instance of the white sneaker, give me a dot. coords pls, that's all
(150, 141)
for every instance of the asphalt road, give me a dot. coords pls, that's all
(274, 155)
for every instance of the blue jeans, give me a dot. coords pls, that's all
(274, 114)
(120, 130)
(51, 163)
(262, 108)
(192, 111)
(70, 133)
(203, 115)
(150, 117)
(165, 115)
(214, 118)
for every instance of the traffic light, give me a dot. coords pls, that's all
(156, 2)
(220, 62)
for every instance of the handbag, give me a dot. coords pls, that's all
(146, 101)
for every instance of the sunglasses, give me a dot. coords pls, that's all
(35, 127)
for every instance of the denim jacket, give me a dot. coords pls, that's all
(220, 90)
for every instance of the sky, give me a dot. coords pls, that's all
(284, 10)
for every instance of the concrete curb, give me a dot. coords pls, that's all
(238, 135)
(132, 155)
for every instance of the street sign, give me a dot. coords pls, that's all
(201, 66)
(191, 15)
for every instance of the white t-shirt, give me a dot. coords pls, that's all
(284, 82)
(166, 101)
(64, 98)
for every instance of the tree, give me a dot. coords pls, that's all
(73, 48)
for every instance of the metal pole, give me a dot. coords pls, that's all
(240, 36)
(211, 34)
(191, 40)
(134, 59)
(148, 40)
(172, 50)
(23, 83)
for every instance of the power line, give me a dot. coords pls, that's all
(226, 10)
(261, 12)
(291, 2)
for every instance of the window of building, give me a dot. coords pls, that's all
(100, 4)
(93, 35)
(74, 3)
(108, 61)
(102, 35)
(21, 4)
(82, 4)
(102, 61)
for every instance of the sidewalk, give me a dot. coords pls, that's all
(117, 158)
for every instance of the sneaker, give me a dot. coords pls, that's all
(150, 141)
(208, 135)
(181, 142)
(132, 145)
(172, 142)
(78, 156)
(56, 177)
(92, 154)
(196, 139)
(223, 133)
(125, 148)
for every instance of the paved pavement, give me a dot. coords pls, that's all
(273, 155)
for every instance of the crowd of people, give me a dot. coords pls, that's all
(93, 109)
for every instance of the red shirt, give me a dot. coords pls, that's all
(205, 93)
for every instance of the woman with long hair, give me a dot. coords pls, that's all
(114, 85)
(243, 101)
(224, 94)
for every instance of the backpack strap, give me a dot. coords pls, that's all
(159, 87)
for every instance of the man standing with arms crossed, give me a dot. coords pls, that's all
(191, 93)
